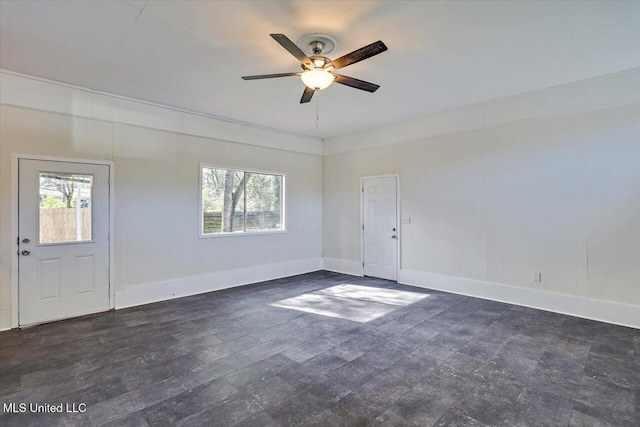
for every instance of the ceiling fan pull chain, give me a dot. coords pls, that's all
(317, 114)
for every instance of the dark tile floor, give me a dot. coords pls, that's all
(230, 358)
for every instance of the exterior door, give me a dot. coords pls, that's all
(63, 252)
(380, 225)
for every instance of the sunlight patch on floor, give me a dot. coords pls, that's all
(351, 302)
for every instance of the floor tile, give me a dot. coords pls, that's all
(403, 356)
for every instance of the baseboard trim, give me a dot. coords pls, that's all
(353, 268)
(602, 311)
(5, 320)
(161, 291)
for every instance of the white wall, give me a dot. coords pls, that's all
(557, 195)
(606, 91)
(545, 182)
(158, 254)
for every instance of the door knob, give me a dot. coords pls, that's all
(393, 237)
(25, 252)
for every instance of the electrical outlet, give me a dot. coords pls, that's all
(537, 277)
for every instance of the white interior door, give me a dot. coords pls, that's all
(63, 223)
(380, 225)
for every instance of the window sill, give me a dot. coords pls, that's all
(247, 233)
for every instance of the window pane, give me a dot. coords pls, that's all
(264, 202)
(65, 207)
(222, 201)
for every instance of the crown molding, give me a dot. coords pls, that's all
(36, 93)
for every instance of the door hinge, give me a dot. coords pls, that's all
(363, 263)
(363, 189)
(363, 226)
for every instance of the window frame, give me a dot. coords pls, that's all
(283, 202)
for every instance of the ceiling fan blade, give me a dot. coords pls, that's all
(293, 49)
(358, 55)
(358, 84)
(307, 95)
(269, 76)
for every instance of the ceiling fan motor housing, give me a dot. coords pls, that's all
(318, 61)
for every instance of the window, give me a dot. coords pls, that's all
(65, 207)
(236, 201)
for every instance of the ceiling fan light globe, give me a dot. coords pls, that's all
(317, 79)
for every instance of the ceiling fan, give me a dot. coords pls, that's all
(318, 70)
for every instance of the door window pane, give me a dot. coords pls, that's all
(65, 207)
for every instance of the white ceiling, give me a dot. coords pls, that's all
(442, 54)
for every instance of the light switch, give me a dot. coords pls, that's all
(406, 220)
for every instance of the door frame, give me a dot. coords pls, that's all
(15, 158)
(398, 220)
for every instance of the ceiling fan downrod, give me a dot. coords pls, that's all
(316, 47)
